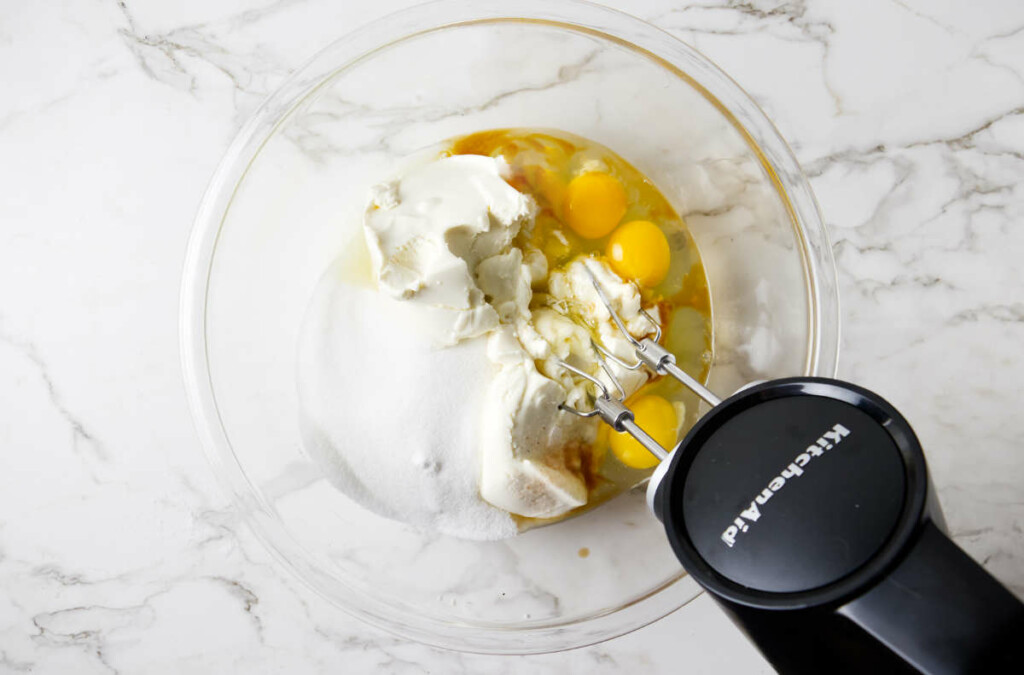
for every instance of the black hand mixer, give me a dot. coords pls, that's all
(804, 507)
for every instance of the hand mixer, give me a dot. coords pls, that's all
(804, 506)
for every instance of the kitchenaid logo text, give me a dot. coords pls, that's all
(752, 514)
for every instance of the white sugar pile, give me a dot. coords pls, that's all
(393, 420)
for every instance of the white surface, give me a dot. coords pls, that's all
(118, 552)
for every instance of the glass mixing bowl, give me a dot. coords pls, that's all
(288, 196)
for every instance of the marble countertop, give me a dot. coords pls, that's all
(119, 553)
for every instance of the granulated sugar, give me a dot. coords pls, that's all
(393, 420)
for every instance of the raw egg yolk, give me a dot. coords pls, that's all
(638, 250)
(594, 204)
(658, 418)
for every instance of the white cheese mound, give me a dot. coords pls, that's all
(441, 242)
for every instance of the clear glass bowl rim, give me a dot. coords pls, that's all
(576, 15)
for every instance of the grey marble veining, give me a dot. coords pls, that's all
(118, 552)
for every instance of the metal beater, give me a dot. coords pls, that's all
(649, 353)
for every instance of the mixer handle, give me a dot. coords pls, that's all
(942, 612)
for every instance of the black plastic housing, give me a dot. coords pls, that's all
(805, 508)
